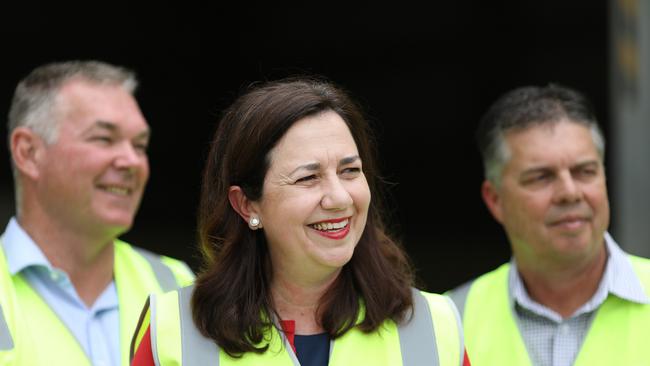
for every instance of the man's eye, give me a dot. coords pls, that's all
(104, 139)
(537, 178)
(141, 147)
(587, 172)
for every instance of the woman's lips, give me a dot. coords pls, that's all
(333, 229)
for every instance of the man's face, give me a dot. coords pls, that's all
(91, 179)
(552, 200)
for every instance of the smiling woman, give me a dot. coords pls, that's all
(314, 202)
(298, 267)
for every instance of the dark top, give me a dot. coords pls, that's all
(312, 350)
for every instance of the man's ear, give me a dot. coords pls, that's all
(246, 208)
(26, 150)
(492, 199)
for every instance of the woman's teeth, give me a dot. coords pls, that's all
(325, 226)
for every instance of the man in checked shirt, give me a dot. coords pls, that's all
(570, 295)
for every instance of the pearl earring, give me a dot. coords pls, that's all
(254, 222)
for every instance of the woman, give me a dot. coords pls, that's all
(298, 267)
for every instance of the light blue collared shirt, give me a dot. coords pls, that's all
(554, 341)
(95, 328)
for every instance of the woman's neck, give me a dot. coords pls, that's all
(299, 300)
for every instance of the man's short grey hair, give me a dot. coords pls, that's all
(529, 106)
(34, 100)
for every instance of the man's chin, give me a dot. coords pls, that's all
(118, 225)
(578, 248)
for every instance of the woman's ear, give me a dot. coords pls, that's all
(244, 207)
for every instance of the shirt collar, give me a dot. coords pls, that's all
(623, 281)
(21, 251)
(23, 254)
(619, 279)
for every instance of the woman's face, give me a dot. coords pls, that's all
(315, 198)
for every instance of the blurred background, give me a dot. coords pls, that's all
(424, 73)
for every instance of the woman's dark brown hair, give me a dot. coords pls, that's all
(232, 299)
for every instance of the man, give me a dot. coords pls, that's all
(570, 295)
(70, 291)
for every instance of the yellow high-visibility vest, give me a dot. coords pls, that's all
(34, 335)
(432, 337)
(618, 334)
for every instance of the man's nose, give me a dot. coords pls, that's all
(567, 190)
(129, 157)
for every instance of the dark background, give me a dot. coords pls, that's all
(424, 74)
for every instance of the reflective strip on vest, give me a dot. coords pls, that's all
(196, 349)
(417, 336)
(6, 342)
(164, 274)
(459, 296)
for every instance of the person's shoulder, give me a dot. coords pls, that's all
(446, 323)
(641, 261)
(641, 267)
(487, 282)
(441, 302)
(183, 273)
(500, 271)
(432, 296)
(181, 270)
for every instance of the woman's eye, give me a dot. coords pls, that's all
(306, 179)
(351, 171)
